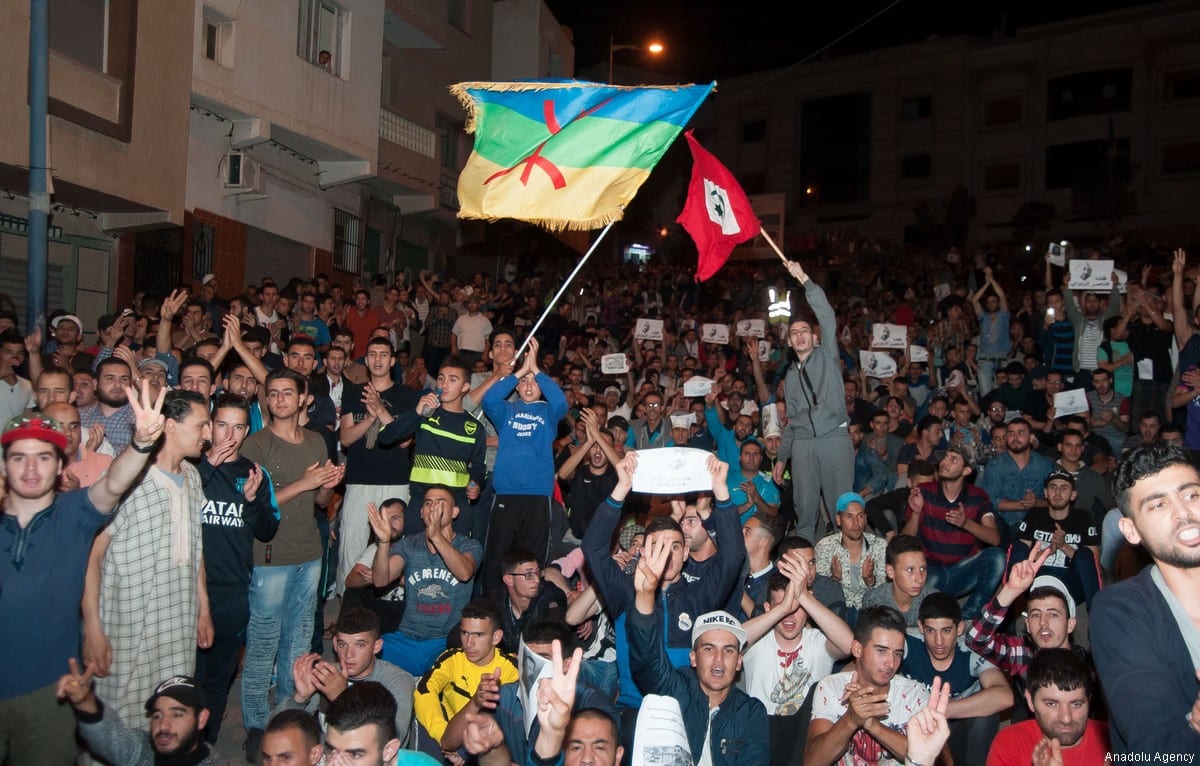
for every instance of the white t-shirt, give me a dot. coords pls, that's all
(782, 685)
(905, 698)
(472, 332)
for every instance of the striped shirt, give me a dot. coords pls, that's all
(943, 542)
(1091, 335)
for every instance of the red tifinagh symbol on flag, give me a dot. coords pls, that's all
(536, 159)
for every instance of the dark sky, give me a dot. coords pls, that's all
(707, 40)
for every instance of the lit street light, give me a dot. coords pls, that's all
(654, 48)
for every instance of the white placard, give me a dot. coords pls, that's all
(533, 669)
(764, 351)
(1071, 402)
(687, 324)
(672, 470)
(714, 333)
(1123, 281)
(918, 354)
(877, 364)
(885, 335)
(697, 386)
(941, 292)
(1091, 275)
(614, 364)
(683, 421)
(660, 737)
(649, 329)
(1057, 254)
(755, 328)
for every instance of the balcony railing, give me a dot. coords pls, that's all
(408, 134)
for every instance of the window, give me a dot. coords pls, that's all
(347, 242)
(322, 24)
(217, 42)
(450, 131)
(1178, 86)
(458, 14)
(753, 131)
(203, 236)
(1003, 110)
(916, 166)
(916, 108)
(1001, 176)
(1181, 158)
(78, 30)
(1084, 162)
(1077, 95)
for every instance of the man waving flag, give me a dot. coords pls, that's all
(717, 213)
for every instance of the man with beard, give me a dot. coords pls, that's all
(1145, 627)
(111, 408)
(1093, 493)
(47, 536)
(816, 435)
(1015, 479)
(177, 715)
(84, 465)
(1061, 734)
(1049, 622)
(1073, 535)
(145, 608)
(871, 476)
(376, 469)
(859, 715)
(724, 725)
(752, 492)
(956, 526)
(850, 556)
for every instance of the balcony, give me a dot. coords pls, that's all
(407, 134)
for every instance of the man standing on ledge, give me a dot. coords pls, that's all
(816, 439)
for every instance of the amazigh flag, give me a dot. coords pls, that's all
(717, 213)
(565, 154)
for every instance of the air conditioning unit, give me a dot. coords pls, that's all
(242, 177)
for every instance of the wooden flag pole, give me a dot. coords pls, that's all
(774, 246)
(563, 289)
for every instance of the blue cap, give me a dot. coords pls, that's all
(846, 498)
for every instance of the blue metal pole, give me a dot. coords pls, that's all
(39, 199)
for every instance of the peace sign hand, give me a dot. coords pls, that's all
(148, 419)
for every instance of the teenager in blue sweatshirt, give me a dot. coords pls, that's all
(239, 507)
(524, 474)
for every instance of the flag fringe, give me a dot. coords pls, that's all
(461, 92)
(555, 224)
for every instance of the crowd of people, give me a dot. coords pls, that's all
(988, 554)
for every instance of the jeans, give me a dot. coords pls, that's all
(975, 576)
(987, 374)
(282, 599)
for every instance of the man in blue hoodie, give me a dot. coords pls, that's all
(524, 474)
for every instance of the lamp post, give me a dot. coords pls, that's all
(654, 48)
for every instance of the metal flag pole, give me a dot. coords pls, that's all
(561, 290)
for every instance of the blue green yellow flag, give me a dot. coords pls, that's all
(565, 154)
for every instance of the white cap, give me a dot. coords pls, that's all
(1050, 581)
(208, 278)
(719, 621)
(67, 318)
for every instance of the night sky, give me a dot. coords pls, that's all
(707, 40)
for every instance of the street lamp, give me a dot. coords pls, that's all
(654, 48)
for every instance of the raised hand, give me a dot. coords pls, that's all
(626, 469)
(148, 420)
(651, 566)
(927, 729)
(835, 569)
(76, 686)
(67, 481)
(796, 270)
(172, 303)
(1048, 752)
(868, 569)
(33, 341)
(718, 469)
(253, 482)
(221, 451)
(487, 694)
(329, 679)
(481, 735)
(1020, 577)
(916, 500)
(95, 437)
(302, 676)
(379, 524)
(867, 703)
(556, 694)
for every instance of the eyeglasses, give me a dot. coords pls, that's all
(995, 409)
(535, 574)
(654, 405)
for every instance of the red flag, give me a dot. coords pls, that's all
(717, 213)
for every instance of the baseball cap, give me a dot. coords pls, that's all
(1058, 473)
(719, 620)
(34, 427)
(846, 498)
(152, 362)
(630, 530)
(1046, 581)
(963, 452)
(208, 278)
(772, 429)
(612, 390)
(182, 689)
(66, 318)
